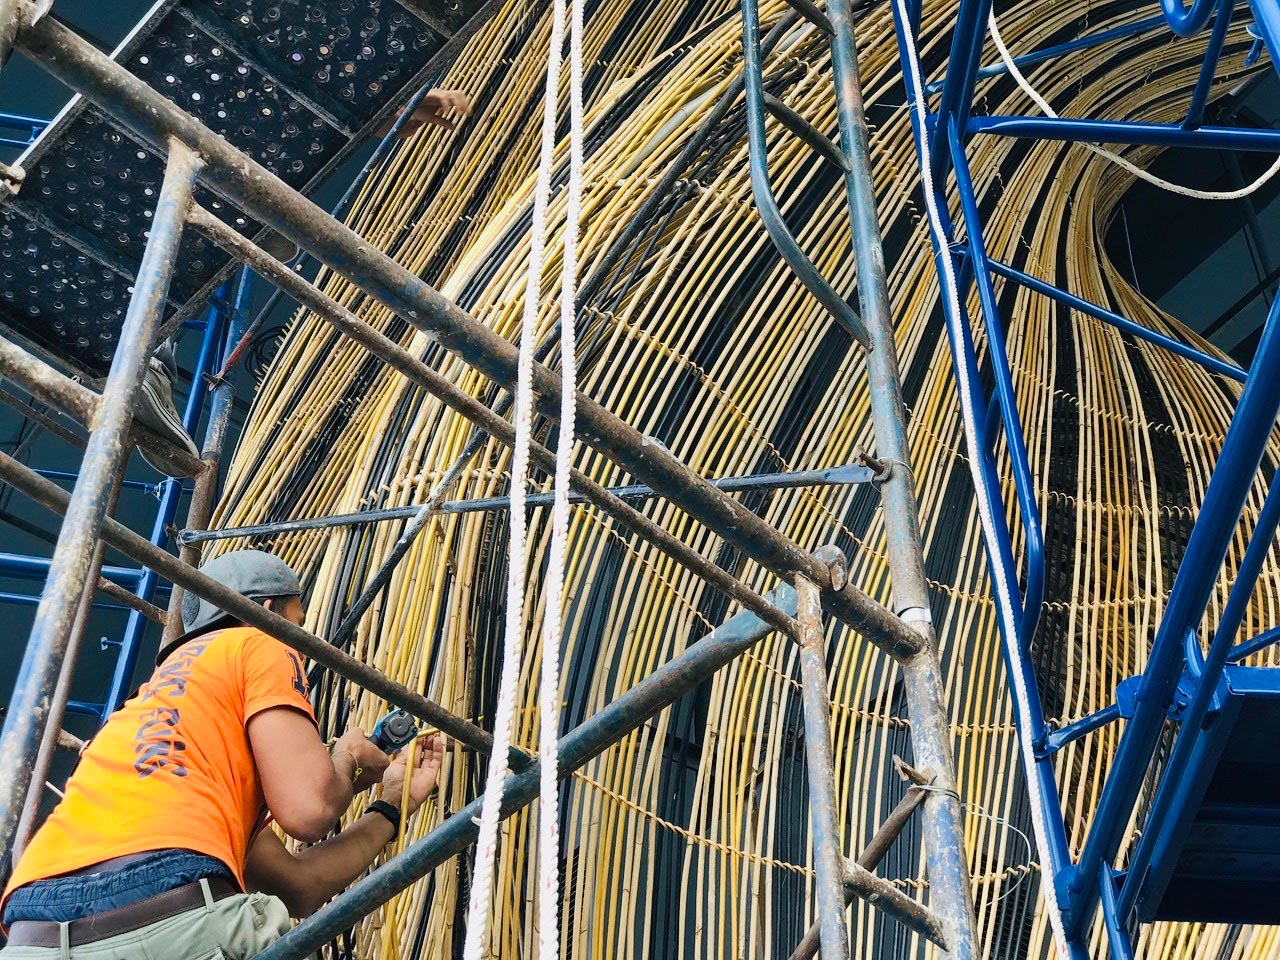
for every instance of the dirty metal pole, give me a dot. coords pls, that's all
(828, 856)
(10, 11)
(106, 451)
(57, 708)
(862, 883)
(943, 819)
(268, 199)
(872, 853)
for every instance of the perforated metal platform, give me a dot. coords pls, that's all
(297, 85)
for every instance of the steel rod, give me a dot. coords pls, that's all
(593, 736)
(254, 614)
(29, 412)
(883, 895)
(433, 506)
(104, 457)
(416, 370)
(943, 819)
(132, 601)
(828, 856)
(1251, 646)
(851, 473)
(268, 199)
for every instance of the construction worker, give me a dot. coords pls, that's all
(160, 847)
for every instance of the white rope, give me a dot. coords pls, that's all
(1115, 158)
(517, 550)
(552, 626)
(1004, 602)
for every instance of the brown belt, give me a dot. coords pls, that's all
(134, 916)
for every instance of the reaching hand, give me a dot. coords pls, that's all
(443, 108)
(426, 772)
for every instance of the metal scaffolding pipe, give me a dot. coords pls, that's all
(943, 819)
(851, 473)
(865, 885)
(221, 394)
(827, 856)
(470, 407)
(589, 739)
(31, 484)
(872, 853)
(268, 199)
(104, 458)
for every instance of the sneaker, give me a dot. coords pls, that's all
(154, 406)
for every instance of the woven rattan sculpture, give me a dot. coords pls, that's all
(689, 839)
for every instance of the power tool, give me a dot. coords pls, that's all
(395, 730)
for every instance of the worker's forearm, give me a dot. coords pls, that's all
(340, 789)
(330, 866)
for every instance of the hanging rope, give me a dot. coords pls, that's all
(552, 625)
(999, 577)
(1115, 158)
(517, 551)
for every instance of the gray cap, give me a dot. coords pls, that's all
(255, 574)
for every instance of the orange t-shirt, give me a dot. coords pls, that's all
(173, 768)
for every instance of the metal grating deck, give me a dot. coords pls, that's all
(296, 84)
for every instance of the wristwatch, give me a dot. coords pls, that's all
(388, 811)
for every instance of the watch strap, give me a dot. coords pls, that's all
(387, 810)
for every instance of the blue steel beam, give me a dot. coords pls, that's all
(22, 567)
(1005, 393)
(1124, 131)
(1062, 49)
(962, 75)
(1249, 647)
(1172, 780)
(31, 600)
(1224, 367)
(1209, 68)
(1215, 526)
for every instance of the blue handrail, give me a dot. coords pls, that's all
(1184, 21)
(1032, 592)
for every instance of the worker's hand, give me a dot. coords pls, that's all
(357, 759)
(442, 108)
(426, 773)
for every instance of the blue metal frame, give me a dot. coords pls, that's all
(33, 126)
(1178, 681)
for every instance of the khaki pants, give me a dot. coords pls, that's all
(235, 928)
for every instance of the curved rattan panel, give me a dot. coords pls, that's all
(690, 839)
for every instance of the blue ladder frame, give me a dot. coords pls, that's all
(1145, 701)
